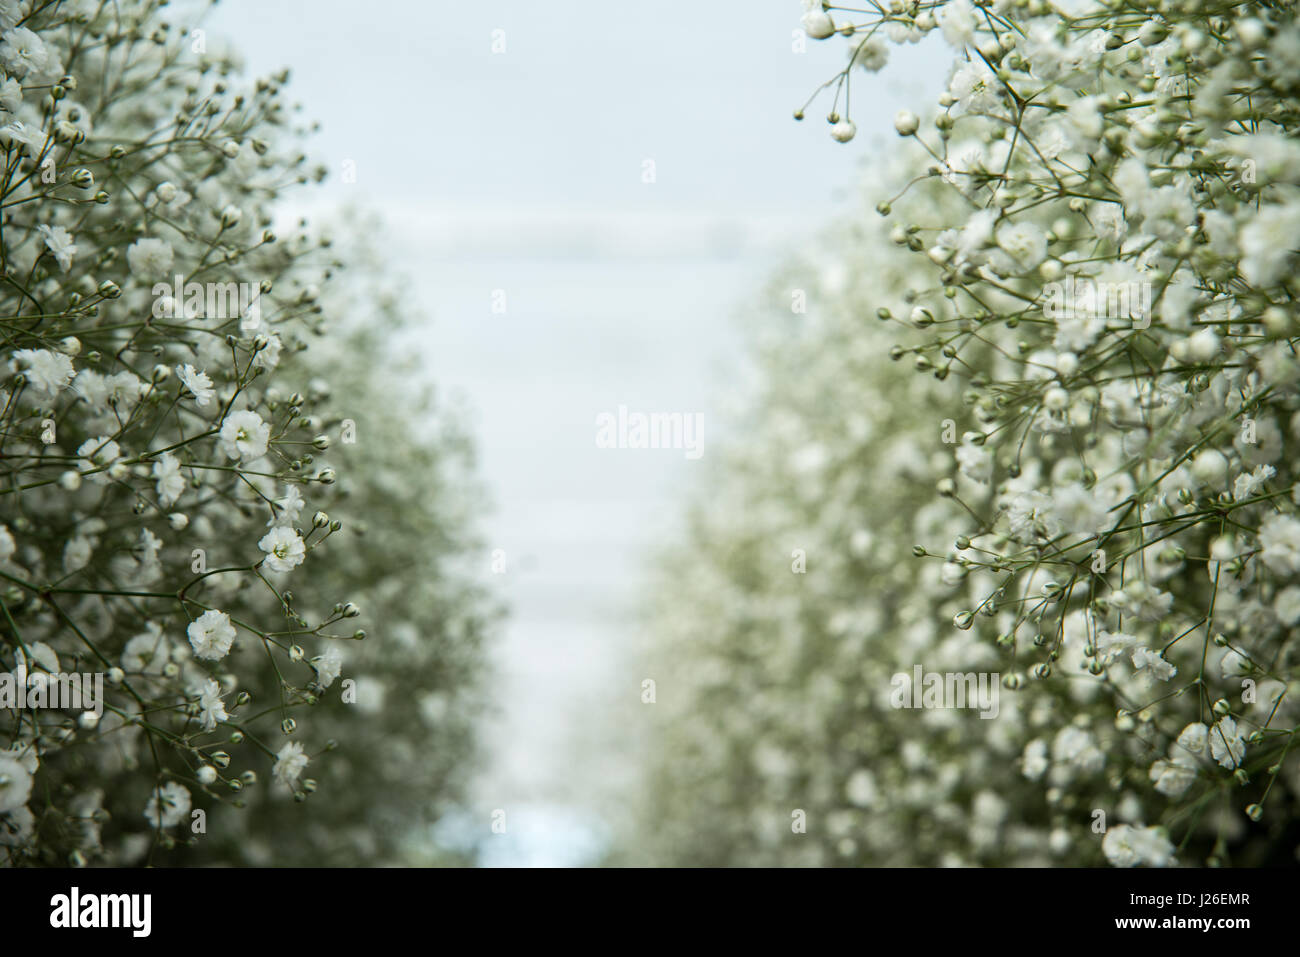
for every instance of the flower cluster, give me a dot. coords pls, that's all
(163, 459)
(1075, 477)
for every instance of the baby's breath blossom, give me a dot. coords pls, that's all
(150, 258)
(103, 392)
(15, 783)
(1150, 664)
(196, 383)
(290, 761)
(49, 372)
(1227, 745)
(1171, 778)
(1279, 536)
(818, 24)
(212, 711)
(284, 549)
(97, 455)
(59, 242)
(168, 805)
(147, 652)
(11, 95)
(290, 506)
(170, 481)
(329, 665)
(25, 55)
(1128, 846)
(244, 435)
(211, 635)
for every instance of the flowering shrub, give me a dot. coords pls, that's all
(1075, 477)
(184, 515)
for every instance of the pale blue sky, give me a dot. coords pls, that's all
(522, 171)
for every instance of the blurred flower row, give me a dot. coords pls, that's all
(1074, 475)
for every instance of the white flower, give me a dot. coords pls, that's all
(1279, 536)
(31, 139)
(1084, 125)
(268, 357)
(24, 752)
(1150, 664)
(98, 453)
(1128, 846)
(1076, 333)
(1287, 605)
(1267, 241)
(289, 763)
(49, 372)
(147, 652)
(170, 483)
(11, 95)
(1034, 762)
(957, 21)
(206, 774)
(59, 242)
(41, 658)
(1031, 515)
(77, 553)
(1210, 467)
(211, 635)
(1077, 748)
(15, 783)
(149, 258)
(1171, 778)
(818, 24)
(212, 711)
(102, 392)
(1081, 510)
(7, 544)
(1111, 645)
(17, 828)
(975, 462)
(871, 54)
(1189, 749)
(284, 549)
(244, 435)
(168, 805)
(974, 87)
(1227, 745)
(198, 384)
(1024, 242)
(329, 665)
(1143, 599)
(25, 55)
(1233, 664)
(291, 506)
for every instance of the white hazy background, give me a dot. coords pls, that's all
(522, 172)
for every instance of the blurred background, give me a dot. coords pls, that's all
(584, 197)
